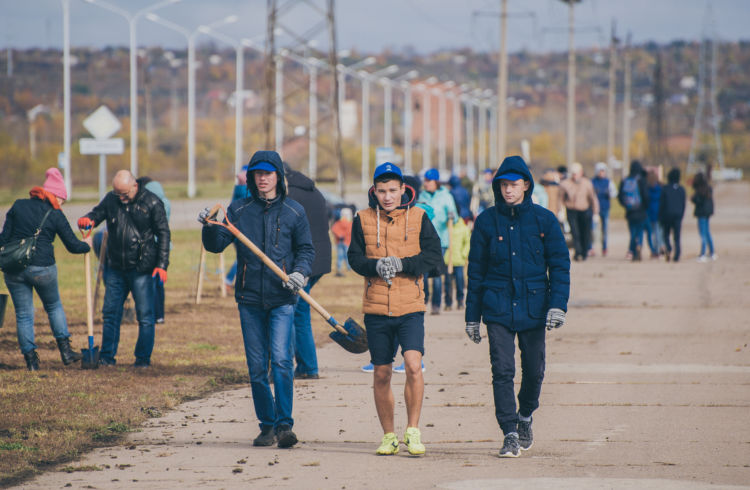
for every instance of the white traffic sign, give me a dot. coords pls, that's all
(112, 146)
(102, 124)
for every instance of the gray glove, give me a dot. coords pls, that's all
(472, 330)
(203, 216)
(296, 282)
(555, 318)
(383, 268)
(392, 267)
(396, 264)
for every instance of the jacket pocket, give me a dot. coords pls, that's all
(536, 293)
(495, 302)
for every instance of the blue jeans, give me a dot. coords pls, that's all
(604, 221)
(636, 234)
(458, 278)
(655, 236)
(118, 285)
(158, 298)
(232, 274)
(531, 343)
(437, 286)
(20, 286)
(705, 233)
(268, 333)
(304, 343)
(341, 251)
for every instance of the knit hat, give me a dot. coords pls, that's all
(55, 184)
(601, 166)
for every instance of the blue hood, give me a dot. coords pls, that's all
(274, 159)
(516, 165)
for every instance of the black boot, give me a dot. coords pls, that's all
(67, 354)
(32, 361)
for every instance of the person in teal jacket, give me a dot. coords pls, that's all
(444, 208)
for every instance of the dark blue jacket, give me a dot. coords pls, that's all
(519, 265)
(24, 218)
(279, 227)
(601, 189)
(654, 198)
(461, 196)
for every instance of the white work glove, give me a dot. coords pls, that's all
(296, 282)
(472, 330)
(203, 216)
(555, 318)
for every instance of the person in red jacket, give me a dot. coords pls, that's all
(342, 231)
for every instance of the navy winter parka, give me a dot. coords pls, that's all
(279, 227)
(519, 265)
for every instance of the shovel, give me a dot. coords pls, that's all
(91, 355)
(351, 336)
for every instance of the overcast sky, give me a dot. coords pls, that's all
(372, 25)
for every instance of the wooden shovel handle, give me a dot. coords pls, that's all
(271, 265)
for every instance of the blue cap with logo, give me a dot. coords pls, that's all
(387, 168)
(263, 166)
(509, 176)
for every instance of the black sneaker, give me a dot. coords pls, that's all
(286, 437)
(525, 435)
(511, 448)
(266, 437)
(306, 376)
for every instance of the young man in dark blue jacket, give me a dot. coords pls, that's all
(519, 282)
(279, 227)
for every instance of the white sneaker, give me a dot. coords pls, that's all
(703, 258)
(714, 257)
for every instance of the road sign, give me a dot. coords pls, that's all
(102, 124)
(112, 146)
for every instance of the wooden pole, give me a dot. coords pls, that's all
(201, 266)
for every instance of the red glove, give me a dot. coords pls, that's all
(158, 271)
(85, 223)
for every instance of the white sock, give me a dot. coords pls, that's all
(524, 419)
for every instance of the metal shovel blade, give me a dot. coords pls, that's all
(90, 358)
(355, 340)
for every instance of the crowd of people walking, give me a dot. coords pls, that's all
(495, 249)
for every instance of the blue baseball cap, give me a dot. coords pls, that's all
(263, 166)
(432, 174)
(387, 168)
(509, 176)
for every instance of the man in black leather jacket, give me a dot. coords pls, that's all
(135, 216)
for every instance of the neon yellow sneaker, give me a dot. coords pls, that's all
(413, 441)
(388, 446)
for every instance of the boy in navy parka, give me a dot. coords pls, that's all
(519, 282)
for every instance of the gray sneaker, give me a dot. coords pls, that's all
(525, 435)
(266, 437)
(511, 448)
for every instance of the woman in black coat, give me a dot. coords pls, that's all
(22, 221)
(704, 209)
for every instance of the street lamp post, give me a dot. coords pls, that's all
(366, 79)
(66, 97)
(343, 71)
(190, 36)
(469, 135)
(132, 19)
(442, 121)
(426, 122)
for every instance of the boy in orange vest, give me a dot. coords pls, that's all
(393, 245)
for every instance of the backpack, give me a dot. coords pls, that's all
(631, 193)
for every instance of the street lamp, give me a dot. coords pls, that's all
(366, 78)
(426, 121)
(388, 85)
(66, 97)
(132, 18)
(440, 92)
(344, 70)
(190, 36)
(239, 87)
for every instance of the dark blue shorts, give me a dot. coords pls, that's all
(382, 330)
